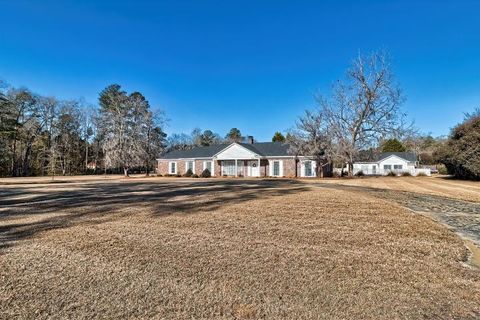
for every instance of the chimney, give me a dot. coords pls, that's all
(250, 139)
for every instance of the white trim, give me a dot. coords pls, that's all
(280, 167)
(170, 167)
(176, 159)
(233, 144)
(313, 168)
(231, 163)
(212, 173)
(193, 166)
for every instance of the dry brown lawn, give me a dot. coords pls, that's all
(435, 185)
(224, 249)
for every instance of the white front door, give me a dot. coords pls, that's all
(253, 169)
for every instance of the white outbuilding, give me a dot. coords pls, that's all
(396, 162)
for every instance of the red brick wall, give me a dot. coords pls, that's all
(198, 167)
(288, 167)
(162, 167)
(217, 168)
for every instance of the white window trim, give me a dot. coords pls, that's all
(193, 166)
(212, 168)
(280, 169)
(170, 167)
(302, 168)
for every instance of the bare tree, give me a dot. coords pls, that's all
(364, 107)
(129, 130)
(310, 137)
(179, 141)
(154, 138)
(116, 128)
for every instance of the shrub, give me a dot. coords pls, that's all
(421, 174)
(194, 175)
(360, 173)
(391, 174)
(178, 175)
(442, 169)
(461, 154)
(206, 173)
(406, 174)
(189, 173)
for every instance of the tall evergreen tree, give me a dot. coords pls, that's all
(393, 145)
(234, 135)
(278, 137)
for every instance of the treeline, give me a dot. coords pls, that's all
(361, 117)
(47, 136)
(461, 152)
(199, 138)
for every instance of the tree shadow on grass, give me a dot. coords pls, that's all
(462, 216)
(27, 210)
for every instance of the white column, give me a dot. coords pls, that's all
(259, 174)
(236, 168)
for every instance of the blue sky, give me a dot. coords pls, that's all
(248, 64)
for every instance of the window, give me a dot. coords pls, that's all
(228, 168)
(276, 168)
(308, 168)
(397, 167)
(208, 165)
(172, 168)
(189, 165)
(387, 167)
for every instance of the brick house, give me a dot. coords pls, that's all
(253, 159)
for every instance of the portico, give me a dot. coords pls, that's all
(238, 161)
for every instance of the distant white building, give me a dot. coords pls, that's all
(397, 162)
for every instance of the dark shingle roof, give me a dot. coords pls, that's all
(196, 152)
(266, 149)
(409, 156)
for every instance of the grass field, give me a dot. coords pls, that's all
(234, 249)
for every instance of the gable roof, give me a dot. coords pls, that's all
(408, 156)
(268, 149)
(265, 149)
(196, 152)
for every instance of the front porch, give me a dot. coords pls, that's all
(243, 167)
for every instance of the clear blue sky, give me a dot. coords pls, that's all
(247, 64)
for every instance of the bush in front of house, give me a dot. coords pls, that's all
(206, 173)
(359, 173)
(406, 174)
(194, 175)
(422, 174)
(189, 173)
(391, 174)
